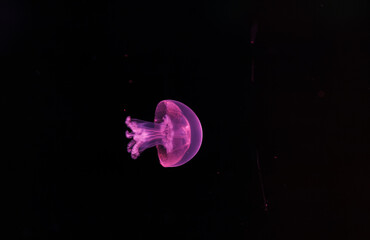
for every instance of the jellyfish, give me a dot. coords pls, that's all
(176, 133)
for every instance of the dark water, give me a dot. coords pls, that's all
(73, 72)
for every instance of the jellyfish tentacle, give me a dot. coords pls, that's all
(135, 151)
(129, 135)
(144, 135)
(128, 120)
(130, 145)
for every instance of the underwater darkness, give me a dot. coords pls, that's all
(285, 147)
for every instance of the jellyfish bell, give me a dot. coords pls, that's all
(176, 133)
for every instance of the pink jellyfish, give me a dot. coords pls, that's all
(176, 132)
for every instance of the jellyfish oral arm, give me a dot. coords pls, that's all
(146, 135)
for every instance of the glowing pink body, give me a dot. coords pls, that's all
(176, 132)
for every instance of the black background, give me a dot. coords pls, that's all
(72, 72)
